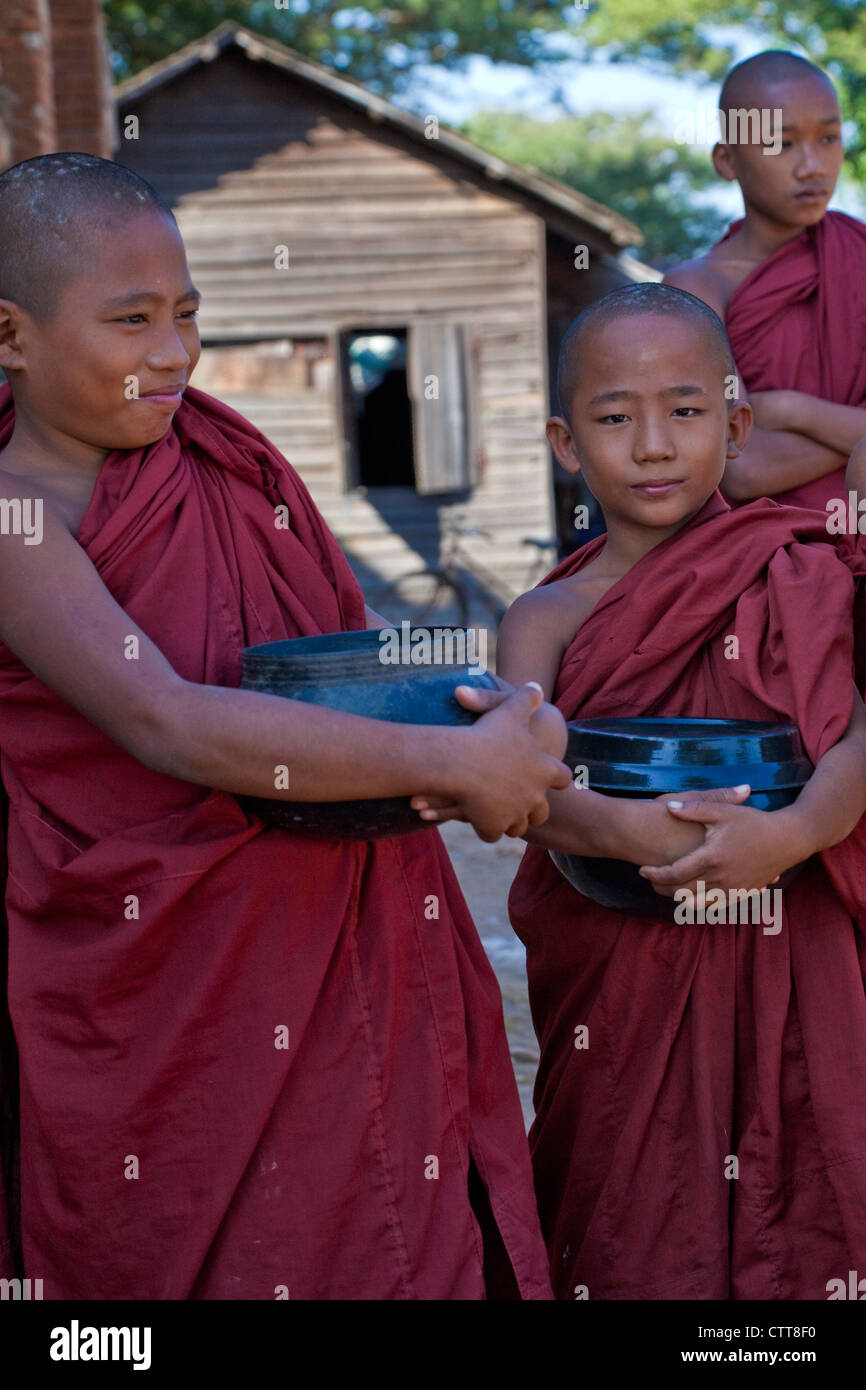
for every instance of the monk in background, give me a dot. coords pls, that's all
(789, 282)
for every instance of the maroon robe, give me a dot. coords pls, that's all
(798, 322)
(162, 940)
(706, 1041)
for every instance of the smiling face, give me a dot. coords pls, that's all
(792, 187)
(650, 427)
(126, 322)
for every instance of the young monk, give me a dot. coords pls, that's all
(251, 1066)
(706, 1138)
(787, 279)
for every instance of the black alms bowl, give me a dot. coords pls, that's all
(646, 758)
(356, 672)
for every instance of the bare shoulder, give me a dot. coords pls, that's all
(706, 279)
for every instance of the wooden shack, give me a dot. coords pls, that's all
(381, 297)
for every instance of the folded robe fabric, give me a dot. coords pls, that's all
(798, 322)
(706, 1041)
(251, 1066)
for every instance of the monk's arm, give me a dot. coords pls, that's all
(772, 460)
(838, 427)
(775, 461)
(58, 617)
(834, 798)
(530, 646)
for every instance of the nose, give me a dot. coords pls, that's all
(652, 441)
(809, 161)
(170, 354)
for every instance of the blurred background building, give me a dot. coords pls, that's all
(382, 297)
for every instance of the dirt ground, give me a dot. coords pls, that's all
(485, 873)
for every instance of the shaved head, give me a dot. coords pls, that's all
(746, 81)
(633, 301)
(51, 209)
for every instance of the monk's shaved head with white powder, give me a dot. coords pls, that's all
(51, 210)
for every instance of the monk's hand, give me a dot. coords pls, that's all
(855, 474)
(742, 849)
(776, 410)
(730, 796)
(501, 781)
(547, 727)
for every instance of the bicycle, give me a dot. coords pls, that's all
(458, 583)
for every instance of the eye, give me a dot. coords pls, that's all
(130, 317)
(611, 419)
(831, 139)
(685, 411)
(188, 314)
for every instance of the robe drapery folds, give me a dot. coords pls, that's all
(706, 1042)
(251, 1066)
(798, 323)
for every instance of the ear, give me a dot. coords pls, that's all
(722, 158)
(740, 421)
(11, 354)
(561, 442)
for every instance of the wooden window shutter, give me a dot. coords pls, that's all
(442, 375)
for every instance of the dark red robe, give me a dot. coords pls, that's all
(162, 940)
(798, 322)
(706, 1041)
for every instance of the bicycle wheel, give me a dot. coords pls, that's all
(425, 597)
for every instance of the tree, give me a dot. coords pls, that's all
(693, 36)
(622, 161)
(379, 43)
(382, 42)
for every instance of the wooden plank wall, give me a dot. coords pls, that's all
(377, 234)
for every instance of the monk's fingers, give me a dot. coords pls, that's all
(518, 828)
(443, 813)
(666, 878)
(855, 476)
(561, 776)
(479, 700)
(706, 811)
(732, 796)
(430, 803)
(540, 812)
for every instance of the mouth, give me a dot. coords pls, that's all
(170, 398)
(811, 195)
(656, 487)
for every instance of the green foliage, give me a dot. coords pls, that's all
(378, 43)
(622, 161)
(381, 42)
(617, 160)
(684, 36)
